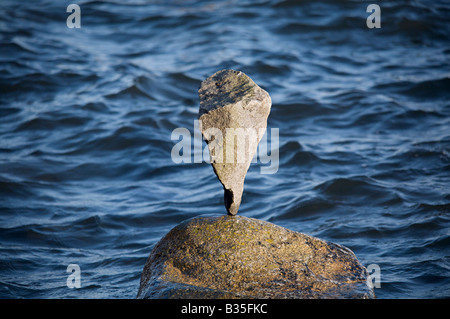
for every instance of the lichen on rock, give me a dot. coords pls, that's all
(240, 257)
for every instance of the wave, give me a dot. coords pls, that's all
(434, 89)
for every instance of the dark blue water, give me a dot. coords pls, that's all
(86, 116)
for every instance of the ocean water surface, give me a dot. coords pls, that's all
(86, 117)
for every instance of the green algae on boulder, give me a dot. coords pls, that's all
(232, 118)
(239, 257)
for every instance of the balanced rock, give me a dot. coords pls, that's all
(239, 257)
(232, 118)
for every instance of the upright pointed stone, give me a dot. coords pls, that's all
(232, 118)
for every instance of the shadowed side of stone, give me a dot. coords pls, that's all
(240, 257)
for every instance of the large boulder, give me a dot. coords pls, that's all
(239, 257)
